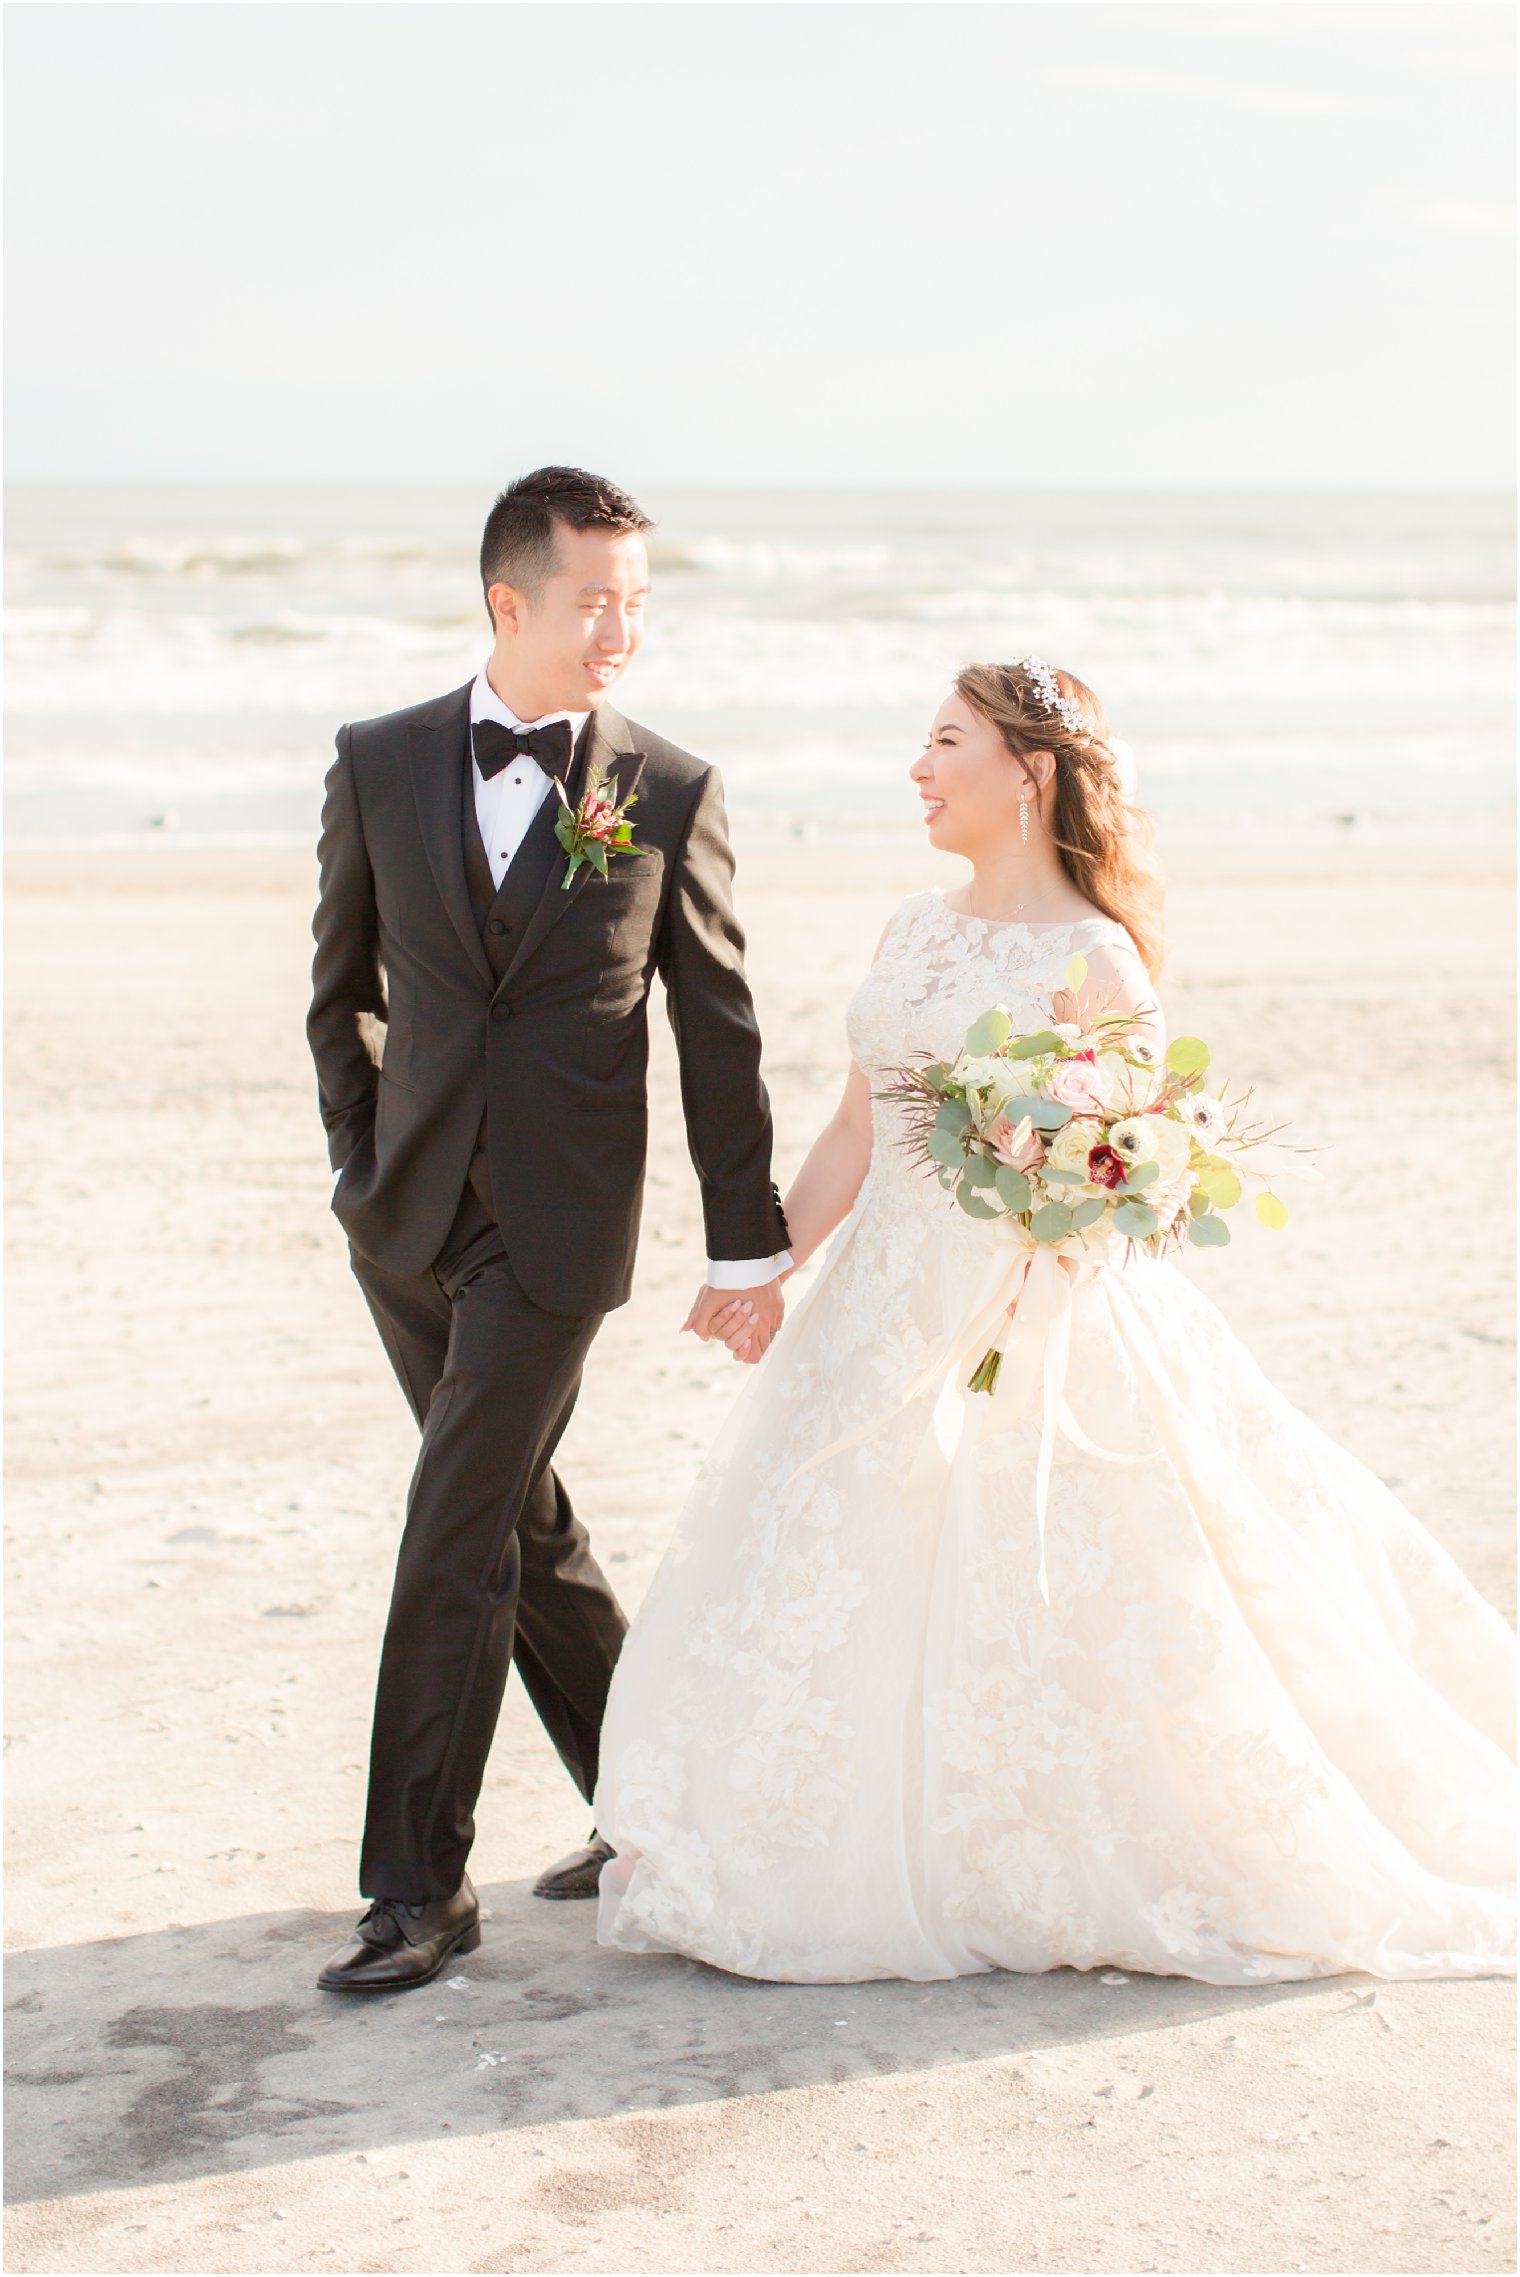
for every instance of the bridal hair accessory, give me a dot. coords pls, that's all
(1047, 689)
(1073, 1144)
(596, 829)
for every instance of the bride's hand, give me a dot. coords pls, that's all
(745, 1320)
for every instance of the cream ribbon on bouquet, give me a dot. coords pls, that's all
(1035, 1289)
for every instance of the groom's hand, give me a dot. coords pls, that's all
(743, 1319)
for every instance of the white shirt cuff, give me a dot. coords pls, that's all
(746, 1272)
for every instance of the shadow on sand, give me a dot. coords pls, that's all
(208, 2050)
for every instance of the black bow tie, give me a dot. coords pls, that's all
(497, 746)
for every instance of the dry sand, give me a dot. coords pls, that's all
(208, 1457)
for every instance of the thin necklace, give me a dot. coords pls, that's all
(973, 911)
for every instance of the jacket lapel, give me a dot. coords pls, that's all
(607, 739)
(440, 755)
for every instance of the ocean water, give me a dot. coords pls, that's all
(178, 658)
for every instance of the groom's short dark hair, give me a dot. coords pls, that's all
(518, 545)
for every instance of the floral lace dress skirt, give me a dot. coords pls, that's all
(1261, 1729)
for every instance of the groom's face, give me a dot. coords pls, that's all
(565, 647)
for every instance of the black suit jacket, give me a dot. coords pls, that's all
(554, 1053)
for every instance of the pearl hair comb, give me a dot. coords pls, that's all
(1047, 689)
(1076, 721)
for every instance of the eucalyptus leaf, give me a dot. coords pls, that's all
(945, 1147)
(1209, 1232)
(1140, 1175)
(989, 1034)
(1088, 1212)
(972, 1203)
(935, 1073)
(1045, 1114)
(1271, 1211)
(954, 1116)
(1036, 1046)
(979, 1171)
(1052, 1223)
(1187, 1055)
(1014, 1188)
(1054, 1177)
(1135, 1220)
(1221, 1185)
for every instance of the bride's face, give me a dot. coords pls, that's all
(969, 782)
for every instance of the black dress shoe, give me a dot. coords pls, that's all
(577, 1875)
(396, 1945)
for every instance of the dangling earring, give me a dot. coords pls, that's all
(1024, 820)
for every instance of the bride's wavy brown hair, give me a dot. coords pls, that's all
(1104, 842)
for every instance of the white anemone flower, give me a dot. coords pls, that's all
(1206, 1116)
(1134, 1140)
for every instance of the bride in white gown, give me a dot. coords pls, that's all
(1261, 1728)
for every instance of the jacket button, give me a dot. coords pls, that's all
(496, 926)
(501, 1011)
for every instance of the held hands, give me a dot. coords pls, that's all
(744, 1319)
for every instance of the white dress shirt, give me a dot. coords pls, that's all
(504, 807)
(507, 803)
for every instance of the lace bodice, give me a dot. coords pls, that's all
(936, 973)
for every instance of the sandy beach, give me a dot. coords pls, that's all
(208, 1456)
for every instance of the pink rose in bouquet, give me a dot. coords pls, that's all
(1027, 1155)
(1076, 1083)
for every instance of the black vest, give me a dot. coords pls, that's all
(503, 912)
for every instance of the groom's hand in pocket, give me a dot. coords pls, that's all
(743, 1319)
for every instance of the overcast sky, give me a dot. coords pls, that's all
(1006, 241)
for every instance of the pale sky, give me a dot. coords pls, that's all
(1009, 241)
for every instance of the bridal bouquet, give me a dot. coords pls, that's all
(1080, 1136)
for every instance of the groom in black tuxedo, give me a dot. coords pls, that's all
(490, 1156)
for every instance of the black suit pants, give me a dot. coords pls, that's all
(494, 1566)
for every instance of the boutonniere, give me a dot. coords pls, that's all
(596, 829)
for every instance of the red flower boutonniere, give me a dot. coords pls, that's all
(596, 829)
